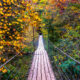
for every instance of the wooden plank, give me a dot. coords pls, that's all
(43, 67)
(32, 67)
(39, 67)
(36, 67)
(50, 68)
(46, 68)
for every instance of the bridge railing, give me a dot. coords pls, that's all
(15, 68)
(64, 65)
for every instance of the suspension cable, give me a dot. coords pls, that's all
(9, 60)
(67, 55)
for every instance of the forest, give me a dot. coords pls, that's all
(21, 22)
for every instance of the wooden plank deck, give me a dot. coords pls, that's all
(41, 67)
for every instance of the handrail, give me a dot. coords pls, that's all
(8, 60)
(67, 55)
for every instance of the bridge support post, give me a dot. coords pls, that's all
(33, 39)
(48, 39)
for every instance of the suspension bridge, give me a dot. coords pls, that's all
(41, 68)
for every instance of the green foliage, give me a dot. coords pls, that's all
(75, 5)
(18, 68)
(25, 50)
(67, 64)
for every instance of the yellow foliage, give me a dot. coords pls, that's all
(0, 58)
(20, 20)
(1, 32)
(0, 4)
(24, 20)
(4, 0)
(1, 47)
(35, 1)
(4, 70)
(1, 69)
(12, 1)
(5, 27)
(4, 60)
